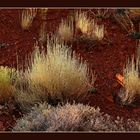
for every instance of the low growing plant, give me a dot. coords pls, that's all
(89, 27)
(27, 17)
(72, 117)
(131, 82)
(57, 76)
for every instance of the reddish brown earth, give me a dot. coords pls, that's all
(106, 60)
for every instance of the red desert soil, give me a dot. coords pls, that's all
(105, 60)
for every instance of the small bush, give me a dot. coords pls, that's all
(134, 13)
(34, 120)
(66, 30)
(75, 117)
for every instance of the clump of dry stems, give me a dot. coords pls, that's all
(89, 27)
(56, 76)
(66, 30)
(27, 17)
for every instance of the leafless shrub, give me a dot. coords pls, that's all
(75, 117)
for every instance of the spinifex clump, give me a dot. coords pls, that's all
(57, 76)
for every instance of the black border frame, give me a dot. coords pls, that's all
(69, 3)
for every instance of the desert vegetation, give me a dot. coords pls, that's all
(70, 70)
(50, 77)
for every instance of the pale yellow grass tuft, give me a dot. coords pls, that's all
(89, 27)
(27, 17)
(66, 30)
(132, 81)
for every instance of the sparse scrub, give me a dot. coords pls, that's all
(75, 117)
(35, 119)
(27, 17)
(7, 78)
(57, 76)
(89, 27)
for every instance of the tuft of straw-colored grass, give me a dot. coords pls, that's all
(132, 82)
(43, 13)
(43, 33)
(89, 27)
(59, 71)
(66, 30)
(27, 17)
(7, 78)
(58, 75)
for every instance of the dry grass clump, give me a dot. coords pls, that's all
(72, 117)
(7, 77)
(34, 120)
(66, 30)
(57, 76)
(27, 17)
(43, 13)
(132, 82)
(28, 93)
(89, 27)
(43, 34)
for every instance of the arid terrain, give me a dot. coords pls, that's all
(106, 59)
